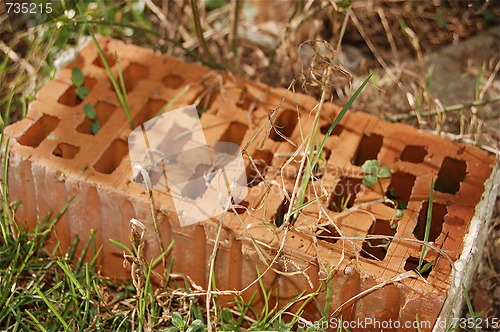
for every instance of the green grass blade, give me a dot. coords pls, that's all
(329, 279)
(280, 312)
(122, 97)
(121, 245)
(157, 259)
(6, 222)
(339, 117)
(472, 313)
(427, 225)
(173, 100)
(308, 171)
(51, 307)
(85, 249)
(38, 324)
(300, 208)
(71, 276)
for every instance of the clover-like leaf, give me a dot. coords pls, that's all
(370, 180)
(196, 325)
(370, 167)
(82, 92)
(177, 321)
(95, 127)
(384, 172)
(89, 111)
(77, 77)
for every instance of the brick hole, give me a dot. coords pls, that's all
(234, 133)
(66, 151)
(242, 208)
(411, 264)
(413, 154)
(279, 217)
(330, 234)
(451, 173)
(110, 58)
(112, 157)
(245, 100)
(340, 196)
(149, 111)
(368, 148)
(319, 171)
(173, 81)
(103, 113)
(204, 100)
(262, 159)
(285, 123)
(195, 187)
(378, 247)
(336, 131)
(438, 213)
(400, 188)
(39, 131)
(133, 74)
(70, 98)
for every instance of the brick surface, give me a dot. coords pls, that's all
(55, 157)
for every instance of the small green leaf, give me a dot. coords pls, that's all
(399, 213)
(214, 4)
(89, 111)
(384, 172)
(370, 166)
(82, 92)
(488, 15)
(226, 315)
(195, 326)
(170, 329)
(177, 321)
(77, 77)
(343, 5)
(370, 180)
(95, 127)
(426, 267)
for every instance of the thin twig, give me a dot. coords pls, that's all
(399, 117)
(234, 31)
(371, 46)
(309, 147)
(390, 36)
(199, 32)
(399, 277)
(149, 187)
(16, 58)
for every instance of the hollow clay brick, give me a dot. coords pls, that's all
(54, 157)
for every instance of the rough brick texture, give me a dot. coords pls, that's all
(54, 156)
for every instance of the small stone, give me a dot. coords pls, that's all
(349, 271)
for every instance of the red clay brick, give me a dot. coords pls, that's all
(54, 157)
